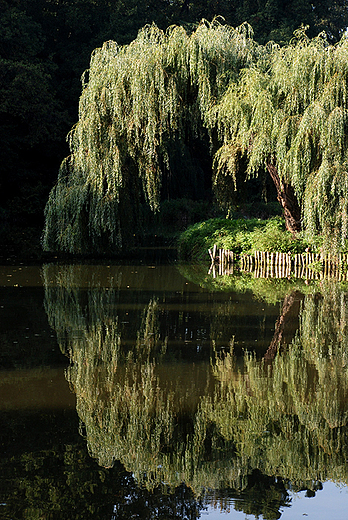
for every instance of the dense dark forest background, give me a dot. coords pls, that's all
(45, 45)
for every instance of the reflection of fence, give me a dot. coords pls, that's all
(281, 265)
(222, 260)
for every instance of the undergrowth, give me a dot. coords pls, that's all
(243, 236)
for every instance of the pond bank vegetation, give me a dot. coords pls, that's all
(252, 237)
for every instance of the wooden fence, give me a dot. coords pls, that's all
(264, 264)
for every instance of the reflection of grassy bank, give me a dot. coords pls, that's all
(285, 416)
(270, 290)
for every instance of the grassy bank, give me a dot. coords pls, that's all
(243, 236)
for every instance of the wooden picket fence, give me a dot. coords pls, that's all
(281, 265)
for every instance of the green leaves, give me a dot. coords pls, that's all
(289, 109)
(279, 107)
(136, 102)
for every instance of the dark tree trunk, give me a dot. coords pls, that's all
(288, 200)
(286, 325)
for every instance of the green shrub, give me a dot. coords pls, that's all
(240, 236)
(228, 234)
(273, 237)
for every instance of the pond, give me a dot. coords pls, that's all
(156, 391)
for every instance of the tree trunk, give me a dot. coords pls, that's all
(286, 325)
(288, 200)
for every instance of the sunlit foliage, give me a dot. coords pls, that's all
(136, 100)
(290, 111)
(281, 109)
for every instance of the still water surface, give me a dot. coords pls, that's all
(155, 391)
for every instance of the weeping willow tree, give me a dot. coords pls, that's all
(271, 110)
(137, 102)
(288, 116)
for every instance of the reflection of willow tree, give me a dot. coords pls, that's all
(289, 418)
(121, 404)
(130, 412)
(131, 415)
(286, 421)
(324, 322)
(284, 417)
(287, 323)
(80, 311)
(118, 396)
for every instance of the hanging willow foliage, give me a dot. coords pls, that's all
(136, 101)
(276, 109)
(289, 112)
